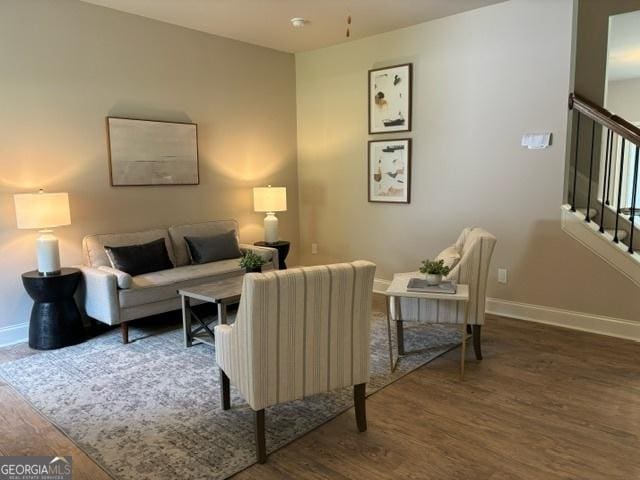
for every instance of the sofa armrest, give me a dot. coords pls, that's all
(99, 295)
(123, 279)
(267, 253)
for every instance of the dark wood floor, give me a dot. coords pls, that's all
(545, 403)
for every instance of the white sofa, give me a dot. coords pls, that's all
(114, 297)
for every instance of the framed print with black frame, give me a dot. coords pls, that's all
(389, 170)
(152, 152)
(390, 99)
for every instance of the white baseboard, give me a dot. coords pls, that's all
(614, 327)
(586, 322)
(14, 334)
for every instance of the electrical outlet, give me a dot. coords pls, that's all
(314, 248)
(502, 275)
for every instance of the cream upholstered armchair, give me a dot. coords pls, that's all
(298, 332)
(469, 258)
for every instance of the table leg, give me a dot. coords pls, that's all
(186, 321)
(399, 326)
(464, 340)
(222, 313)
(388, 302)
(400, 335)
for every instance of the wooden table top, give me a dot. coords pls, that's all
(226, 290)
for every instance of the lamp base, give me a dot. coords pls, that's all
(270, 228)
(48, 254)
(50, 274)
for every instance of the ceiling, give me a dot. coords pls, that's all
(623, 61)
(267, 22)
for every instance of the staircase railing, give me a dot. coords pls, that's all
(618, 132)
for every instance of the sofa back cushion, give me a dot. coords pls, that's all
(206, 229)
(96, 256)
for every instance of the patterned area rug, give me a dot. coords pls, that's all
(150, 409)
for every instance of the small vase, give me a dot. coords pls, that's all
(254, 269)
(433, 280)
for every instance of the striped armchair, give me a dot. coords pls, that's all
(474, 247)
(298, 332)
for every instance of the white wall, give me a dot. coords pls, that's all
(65, 65)
(591, 44)
(481, 80)
(623, 99)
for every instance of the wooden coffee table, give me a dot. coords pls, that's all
(223, 293)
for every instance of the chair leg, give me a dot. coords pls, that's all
(225, 394)
(261, 446)
(476, 341)
(124, 330)
(360, 405)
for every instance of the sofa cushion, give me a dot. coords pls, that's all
(162, 285)
(93, 245)
(140, 259)
(178, 232)
(213, 248)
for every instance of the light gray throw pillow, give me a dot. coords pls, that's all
(213, 248)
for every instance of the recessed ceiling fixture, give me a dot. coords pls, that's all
(298, 22)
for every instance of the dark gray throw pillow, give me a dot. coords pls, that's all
(139, 259)
(213, 248)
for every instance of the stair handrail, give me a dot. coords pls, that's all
(605, 117)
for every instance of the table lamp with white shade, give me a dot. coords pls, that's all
(270, 200)
(44, 211)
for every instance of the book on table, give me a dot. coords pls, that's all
(419, 285)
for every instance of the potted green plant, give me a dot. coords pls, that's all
(251, 262)
(434, 271)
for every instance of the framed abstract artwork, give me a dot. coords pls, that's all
(390, 99)
(151, 152)
(390, 170)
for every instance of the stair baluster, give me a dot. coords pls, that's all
(615, 237)
(604, 182)
(610, 153)
(634, 192)
(587, 217)
(575, 164)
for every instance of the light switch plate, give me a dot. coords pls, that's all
(536, 141)
(314, 248)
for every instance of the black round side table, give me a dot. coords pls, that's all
(283, 250)
(55, 319)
